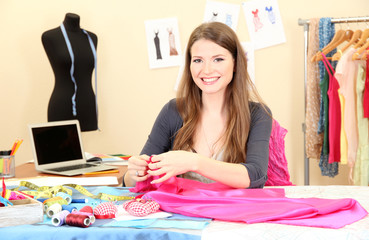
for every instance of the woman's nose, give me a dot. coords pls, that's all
(208, 68)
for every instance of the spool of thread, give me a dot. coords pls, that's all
(53, 209)
(65, 196)
(77, 220)
(53, 200)
(83, 200)
(59, 218)
(69, 208)
(87, 210)
(90, 215)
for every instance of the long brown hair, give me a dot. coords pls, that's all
(238, 94)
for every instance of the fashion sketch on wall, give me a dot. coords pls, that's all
(222, 12)
(163, 44)
(264, 23)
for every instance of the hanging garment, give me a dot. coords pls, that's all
(345, 74)
(278, 174)
(366, 90)
(361, 170)
(313, 140)
(326, 34)
(327, 169)
(324, 86)
(215, 200)
(343, 138)
(334, 114)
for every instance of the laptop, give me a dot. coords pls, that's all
(57, 149)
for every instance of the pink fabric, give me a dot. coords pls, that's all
(278, 174)
(215, 200)
(366, 91)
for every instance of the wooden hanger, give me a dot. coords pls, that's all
(365, 55)
(346, 36)
(364, 36)
(357, 54)
(362, 45)
(354, 39)
(339, 34)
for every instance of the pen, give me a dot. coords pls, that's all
(1, 165)
(6, 166)
(16, 145)
(9, 160)
(19, 143)
(102, 172)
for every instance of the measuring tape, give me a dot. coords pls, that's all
(49, 192)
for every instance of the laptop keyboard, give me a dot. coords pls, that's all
(74, 167)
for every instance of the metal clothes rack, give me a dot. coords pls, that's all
(305, 23)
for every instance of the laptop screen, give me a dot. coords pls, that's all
(55, 144)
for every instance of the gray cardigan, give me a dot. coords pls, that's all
(169, 122)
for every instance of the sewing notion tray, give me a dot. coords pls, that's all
(25, 211)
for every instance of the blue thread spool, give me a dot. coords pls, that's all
(69, 208)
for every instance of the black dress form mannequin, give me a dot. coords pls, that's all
(61, 104)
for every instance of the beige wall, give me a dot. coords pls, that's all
(130, 94)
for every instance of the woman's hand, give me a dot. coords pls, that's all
(171, 164)
(137, 169)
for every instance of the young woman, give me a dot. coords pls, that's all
(217, 128)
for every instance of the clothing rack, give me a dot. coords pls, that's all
(305, 23)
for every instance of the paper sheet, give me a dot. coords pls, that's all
(123, 215)
(54, 181)
(264, 23)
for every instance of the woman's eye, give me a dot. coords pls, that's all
(219, 59)
(197, 60)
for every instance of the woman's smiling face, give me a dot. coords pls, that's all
(212, 66)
